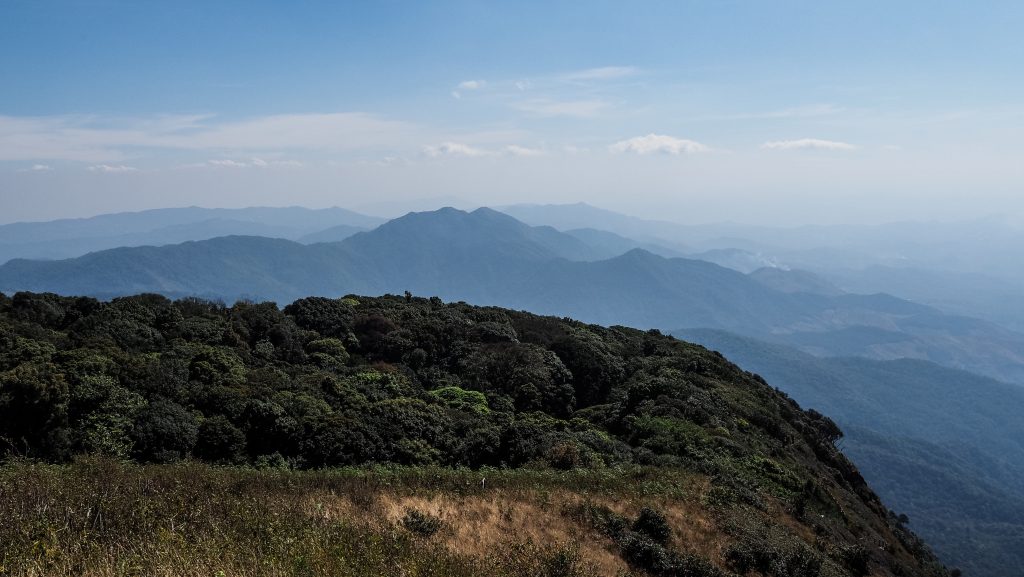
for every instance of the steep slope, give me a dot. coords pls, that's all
(735, 475)
(944, 446)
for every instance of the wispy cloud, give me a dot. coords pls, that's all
(467, 85)
(453, 149)
(111, 140)
(111, 169)
(572, 108)
(469, 151)
(808, 111)
(226, 163)
(252, 163)
(37, 168)
(658, 144)
(516, 150)
(808, 144)
(602, 73)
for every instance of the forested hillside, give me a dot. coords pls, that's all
(326, 383)
(944, 446)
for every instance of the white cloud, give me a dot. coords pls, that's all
(516, 150)
(602, 73)
(37, 168)
(658, 144)
(574, 108)
(808, 144)
(254, 163)
(109, 140)
(467, 85)
(111, 169)
(453, 149)
(227, 163)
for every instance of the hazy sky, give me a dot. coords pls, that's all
(751, 111)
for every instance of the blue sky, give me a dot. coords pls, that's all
(784, 112)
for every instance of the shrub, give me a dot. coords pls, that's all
(419, 523)
(564, 455)
(641, 551)
(653, 524)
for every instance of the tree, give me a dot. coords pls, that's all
(164, 432)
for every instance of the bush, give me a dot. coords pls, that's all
(856, 558)
(773, 557)
(641, 551)
(653, 524)
(419, 523)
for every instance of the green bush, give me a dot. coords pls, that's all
(654, 525)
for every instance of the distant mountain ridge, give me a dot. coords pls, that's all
(68, 238)
(488, 257)
(963, 267)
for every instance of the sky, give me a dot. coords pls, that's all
(757, 112)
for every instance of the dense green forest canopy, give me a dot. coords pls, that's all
(329, 382)
(414, 381)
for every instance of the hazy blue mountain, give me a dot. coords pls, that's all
(965, 267)
(227, 267)
(582, 216)
(488, 257)
(611, 244)
(737, 259)
(332, 234)
(74, 237)
(973, 294)
(942, 445)
(795, 281)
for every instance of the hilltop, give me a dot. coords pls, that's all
(660, 453)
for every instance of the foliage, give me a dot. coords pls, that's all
(418, 382)
(422, 524)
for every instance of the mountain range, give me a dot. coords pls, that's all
(963, 267)
(68, 238)
(488, 257)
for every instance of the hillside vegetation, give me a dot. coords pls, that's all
(582, 449)
(943, 446)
